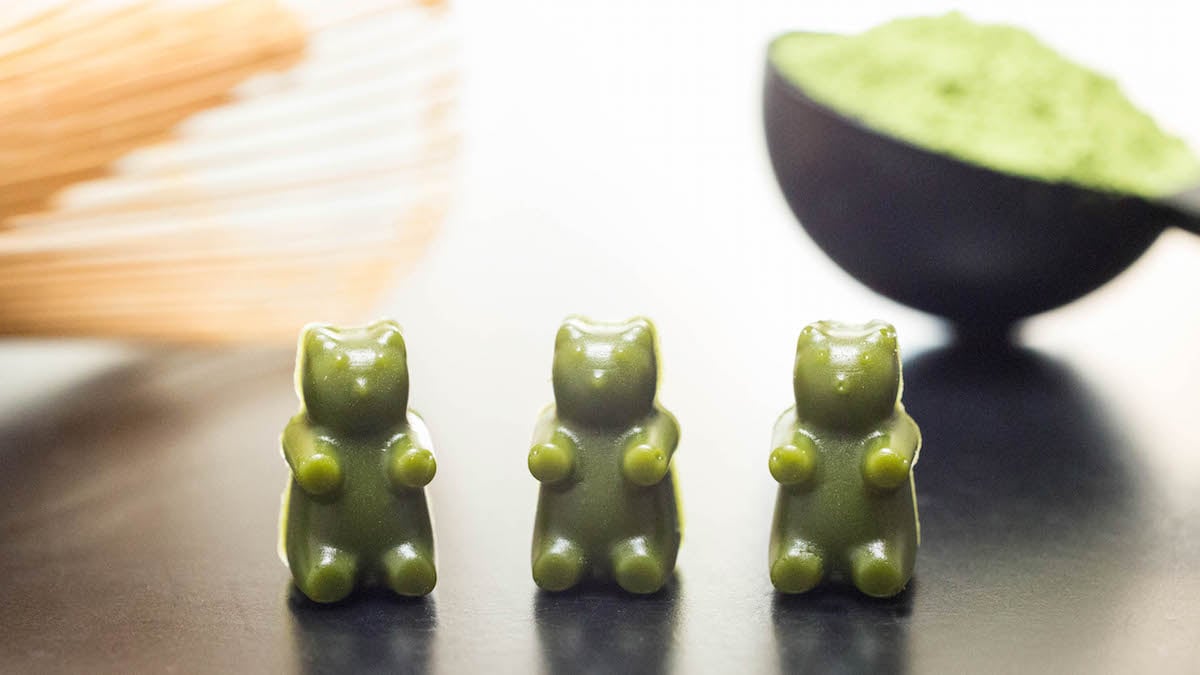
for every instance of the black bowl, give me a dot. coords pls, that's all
(977, 246)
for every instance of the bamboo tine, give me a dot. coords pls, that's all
(290, 219)
(115, 124)
(34, 20)
(292, 196)
(99, 38)
(400, 180)
(60, 23)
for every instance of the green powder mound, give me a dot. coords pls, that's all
(991, 95)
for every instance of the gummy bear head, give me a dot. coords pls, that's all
(847, 376)
(605, 374)
(353, 379)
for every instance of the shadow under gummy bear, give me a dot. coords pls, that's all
(595, 628)
(1026, 476)
(372, 631)
(835, 629)
(1018, 454)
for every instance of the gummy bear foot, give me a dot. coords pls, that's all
(875, 570)
(797, 570)
(558, 566)
(636, 568)
(409, 572)
(330, 578)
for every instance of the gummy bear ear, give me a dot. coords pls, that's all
(883, 334)
(318, 337)
(640, 331)
(388, 334)
(570, 331)
(810, 336)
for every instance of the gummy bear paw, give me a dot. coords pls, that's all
(318, 474)
(792, 465)
(549, 462)
(414, 468)
(885, 469)
(645, 465)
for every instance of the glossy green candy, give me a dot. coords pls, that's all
(843, 457)
(354, 510)
(607, 509)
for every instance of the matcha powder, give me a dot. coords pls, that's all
(991, 95)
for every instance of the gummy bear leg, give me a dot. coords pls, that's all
(797, 568)
(409, 570)
(876, 569)
(558, 564)
(637, 567)
(328, 575)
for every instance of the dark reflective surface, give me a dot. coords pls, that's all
(1031, 506)
(139, 514)
(592, 630)
(374, 632)
(1019, 457)
(836, 630)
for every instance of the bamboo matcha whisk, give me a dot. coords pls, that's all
(222, 171)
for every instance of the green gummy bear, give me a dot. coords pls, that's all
(354, 510)
(607, 507)
(843, 457)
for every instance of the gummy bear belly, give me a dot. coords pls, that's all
(598, 524)
(600, 508)
(367, 517)
(840, 513)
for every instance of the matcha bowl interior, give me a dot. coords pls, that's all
(977, 246)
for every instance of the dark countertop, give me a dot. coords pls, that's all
(140, 509)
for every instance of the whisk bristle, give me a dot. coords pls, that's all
(222, 172)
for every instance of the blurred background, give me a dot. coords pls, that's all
(601, 158)
(186, 184)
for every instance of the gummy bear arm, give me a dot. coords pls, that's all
(547, 428)
(786, 429)
(908, 438)
(301, 441)
(417, 433)
(648, 449)
(411, 463)
(313, 459)
(794, 458)
(552, 451)
(662, 431)
(903, 438)
(402, 443)
(889, 457)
